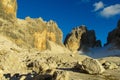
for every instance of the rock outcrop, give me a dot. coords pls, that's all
(80, 37)
(8, 9)
(114, 36)
(73, 39)
(109, 65)
(32, 33)
(32, 49)
(92, 66)
(88, 39)
(61, 75)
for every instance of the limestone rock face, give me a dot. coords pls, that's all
(40, 40)
(92, 66)
(8, 9)
(32, 33)
(73, 39)
(114, 36)
(81, 37)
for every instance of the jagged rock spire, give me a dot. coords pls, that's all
(81, 37)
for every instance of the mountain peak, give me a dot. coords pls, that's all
(8, 9)
(118, 25)
(81, 37)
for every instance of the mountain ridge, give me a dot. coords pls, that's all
(32, 49)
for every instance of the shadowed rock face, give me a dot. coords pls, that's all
(114, 36)
(88, 39)
(80, 37)
(8, 9)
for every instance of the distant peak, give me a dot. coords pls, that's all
(118, 25)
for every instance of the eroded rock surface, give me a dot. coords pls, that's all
(81, 38)
(109, 65)
(73, 39)
(61, 75)
(92, 66)
(32, 33)
(8, 9)
(32, 49)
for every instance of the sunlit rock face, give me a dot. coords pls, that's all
(32, 33)
(8, 9)
(73, 39)
(28, 32)
(81, 38)
(48, 32)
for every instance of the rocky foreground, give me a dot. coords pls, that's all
(31, 64)
(32, 49)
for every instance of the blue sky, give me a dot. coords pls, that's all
(100, 15)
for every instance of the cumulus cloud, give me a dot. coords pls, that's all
(98, 5)
(110, 11)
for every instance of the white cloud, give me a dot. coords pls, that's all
(98, 5)
(110, 11)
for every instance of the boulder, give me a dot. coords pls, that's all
(78, 66)
(42, 67)
(102, 61)
(60, 75)
(81, 38)
(109, 65)
(92, 66)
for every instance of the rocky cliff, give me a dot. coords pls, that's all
(28, 32)
(114, 36)
(88, 39)
(32, 49)
(32, 33)
(80, 37)
(8, 9)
